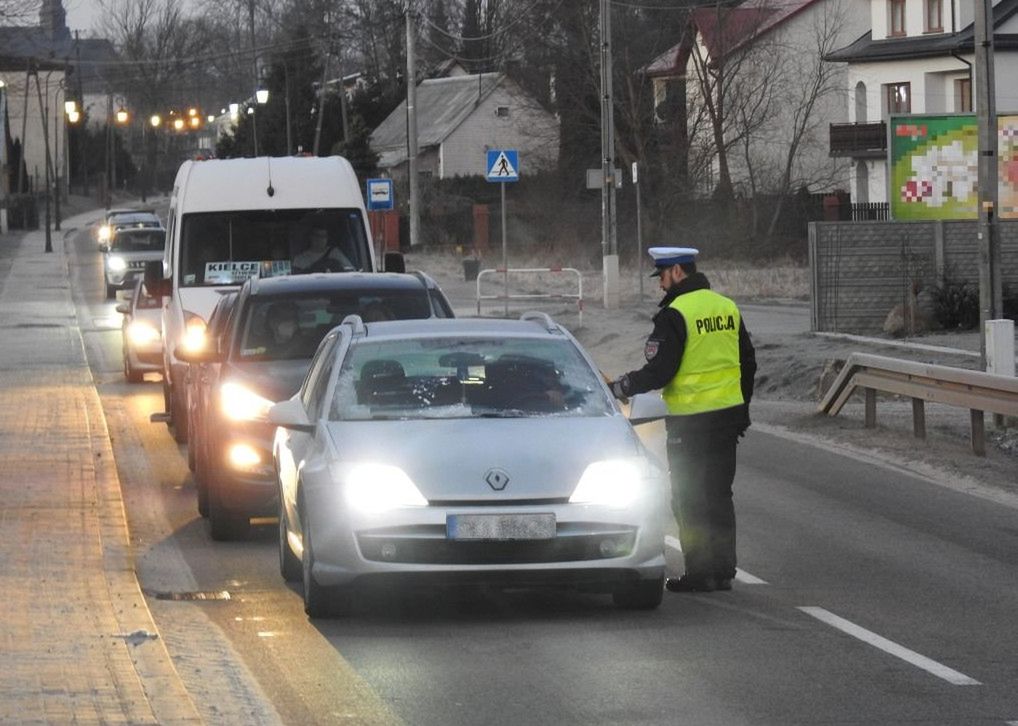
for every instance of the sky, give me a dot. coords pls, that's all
(81, 15)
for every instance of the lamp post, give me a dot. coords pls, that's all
(154, 121)
(4, 181)
(261, 98)
(121, 118)
(73, 118)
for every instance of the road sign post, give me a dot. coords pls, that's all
(503, 166)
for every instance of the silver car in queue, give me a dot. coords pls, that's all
(431, 451)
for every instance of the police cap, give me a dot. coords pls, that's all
(665, 257)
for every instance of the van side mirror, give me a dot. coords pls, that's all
(394, 262)
(155, 283)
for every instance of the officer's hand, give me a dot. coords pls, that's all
(618, 390)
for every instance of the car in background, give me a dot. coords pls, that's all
(127, 253)
(471, 449)
(140, 330)
(116, 219)
(197, 381)
(260, 357)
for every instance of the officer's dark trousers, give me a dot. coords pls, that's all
(702, 470)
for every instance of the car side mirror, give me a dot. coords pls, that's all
(394, 262)
(209, 353)
(645, 408)
(290, 414)
(155, 283)
(124, 308)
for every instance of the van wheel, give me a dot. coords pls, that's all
(178, 414)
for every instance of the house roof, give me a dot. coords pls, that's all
(724, 30)
(925, 46)
(23, 45)
(442, 105)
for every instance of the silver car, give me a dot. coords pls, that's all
(141, 331)
(469, 449)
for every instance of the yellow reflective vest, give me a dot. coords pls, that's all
(709, 376)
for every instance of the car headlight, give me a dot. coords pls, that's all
(381, 487)
(104, 232)
(194, 332)
(140, 332)
(116, 264)
(612, 483)
(240, 403)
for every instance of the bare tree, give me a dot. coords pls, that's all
(16, 12)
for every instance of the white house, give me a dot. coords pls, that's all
(462, 116)
(916, 58)
(778, 96)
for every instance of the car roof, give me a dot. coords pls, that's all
(460, 327)
(327, 282)
(138, 230)
(114, 212)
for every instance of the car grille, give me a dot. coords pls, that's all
(429, 546)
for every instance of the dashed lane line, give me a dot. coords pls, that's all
(899, 651)
(741, 575)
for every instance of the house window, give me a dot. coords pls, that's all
(934, 16)
(897, 17)
(899, 98)
(502, 111)
(963, 95)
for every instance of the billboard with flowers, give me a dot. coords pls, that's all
(934, 162)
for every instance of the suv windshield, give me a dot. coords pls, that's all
(138, 241)
(290, 327)
(464, 378)
(226, 248)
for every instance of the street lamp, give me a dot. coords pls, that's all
(155, 120)
(122, 116)
(262, 96)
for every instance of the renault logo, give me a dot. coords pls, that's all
(497, 479)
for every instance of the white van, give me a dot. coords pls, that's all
(232, 219)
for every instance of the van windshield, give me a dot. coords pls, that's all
(226, 248)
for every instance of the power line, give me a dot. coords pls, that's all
(501, 31)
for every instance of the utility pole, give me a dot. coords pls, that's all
(49, 162)
(990, 284)
(609, 238)
(254, 74)
(321, 94)
(5, 178)
(411, 122)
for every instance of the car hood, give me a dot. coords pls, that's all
(275, 380)
(142, 256)
(453, 459)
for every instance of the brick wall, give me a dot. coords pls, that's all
(861, 270)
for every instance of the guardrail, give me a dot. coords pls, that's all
(975, 390)
(578, 297)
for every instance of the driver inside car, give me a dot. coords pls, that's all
(320, 256)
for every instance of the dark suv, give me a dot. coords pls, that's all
(259, 356)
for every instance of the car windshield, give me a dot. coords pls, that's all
(290, 327)
(500, 377)
(139, 241)
(141, 219)
(226, 248)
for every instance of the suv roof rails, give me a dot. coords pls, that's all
(355, 321)
(543, 318)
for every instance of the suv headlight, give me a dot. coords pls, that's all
(615, 483)
(141, 332)
(104, 233)
(116, 264)
(240, 403)
(381, 487)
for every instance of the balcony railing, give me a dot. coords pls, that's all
(859, 140)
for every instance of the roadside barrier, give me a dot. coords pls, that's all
(506, 297)
(974, 390)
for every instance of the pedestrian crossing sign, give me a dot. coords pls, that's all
(503, 165)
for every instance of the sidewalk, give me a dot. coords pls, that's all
(77, 641)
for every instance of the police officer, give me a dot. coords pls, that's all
(702, 358)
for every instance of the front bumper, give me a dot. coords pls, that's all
(593, 546)
(248, 490)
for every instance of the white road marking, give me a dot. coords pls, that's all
(910, 656)
(741, 575)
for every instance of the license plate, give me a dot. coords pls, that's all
(499, 526)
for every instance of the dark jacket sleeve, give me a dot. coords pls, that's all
(663, 352)
(747, 361)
